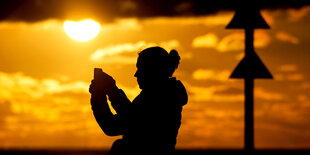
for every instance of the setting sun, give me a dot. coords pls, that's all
(82, 30)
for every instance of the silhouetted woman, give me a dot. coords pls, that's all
(151, 122)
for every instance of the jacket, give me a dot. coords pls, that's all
(150, 122)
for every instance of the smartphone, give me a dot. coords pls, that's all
(97, 73)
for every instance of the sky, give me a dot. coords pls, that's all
(45, 74)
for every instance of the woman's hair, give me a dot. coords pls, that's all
(157, 58)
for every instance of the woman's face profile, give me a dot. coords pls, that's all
(145, 75)
(140, 73)
(140, 79)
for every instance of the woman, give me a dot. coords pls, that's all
(151, 122)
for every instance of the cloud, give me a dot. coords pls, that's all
(207, 40)
(295, 77)
(211, 94)
(184, 7)
(128, 6)
(202, 122)
(19, 10)
(291, 119)
(235, 41)
(36, 97)
(116, 49)
(231, 42)
(240, 55)
(266, 95)
(27, 95)
(261, 38)
(295, 14)
(268, 16)
(221, 18)
(289, 73)
(119, 24)
(18, 85)
(115, 53)
(6, 111)
(302, 98)
(33, 109)
(286, 37)
(208, 74)
(288, 68)
(54, 86)
(122, 24)
(229, 93)
(289, 77)
(221, 107)
(45, 25)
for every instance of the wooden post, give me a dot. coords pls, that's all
(250, 67)
(249, 102)
(248, 115)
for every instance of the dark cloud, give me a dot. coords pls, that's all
(105, 10)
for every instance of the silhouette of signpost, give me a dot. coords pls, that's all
(250, 67)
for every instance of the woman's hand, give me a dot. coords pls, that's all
(102, 85)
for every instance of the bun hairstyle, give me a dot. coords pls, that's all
(159, 61)
(173, 62)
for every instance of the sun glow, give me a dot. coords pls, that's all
(82, 30)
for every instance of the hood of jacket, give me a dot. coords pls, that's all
(177, 90)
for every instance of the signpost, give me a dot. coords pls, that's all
(250, 67)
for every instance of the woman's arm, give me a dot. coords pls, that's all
(109, 123)
(119, 101)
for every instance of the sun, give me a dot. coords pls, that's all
(82, 30)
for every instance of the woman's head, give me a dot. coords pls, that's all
(155, 64)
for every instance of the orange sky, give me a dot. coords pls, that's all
(44, 78)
